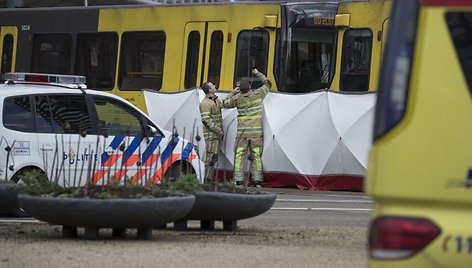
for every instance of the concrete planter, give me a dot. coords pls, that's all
(9, 197)
(118, 213)
(226, 207)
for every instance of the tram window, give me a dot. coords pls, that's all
(7, 55)
(278, 58)
(216, 52)
(355, 61)
(96, 59)
(459, 24)
(191, 65)
(305, 59)
(142, 60)
(51, 53)
(252, 51)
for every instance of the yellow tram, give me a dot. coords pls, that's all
(302, 47)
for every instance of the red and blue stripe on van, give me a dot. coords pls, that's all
(149, 159)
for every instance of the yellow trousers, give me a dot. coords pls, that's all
(211, 148)
(243, 145)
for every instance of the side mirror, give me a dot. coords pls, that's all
(150, 131)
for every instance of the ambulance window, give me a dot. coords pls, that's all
(69, 114)
(96, 59)
(191, 65)
(355, 62)
(51, 53)
(216, 52)
(142, 60)
(17, 114)
(252, 51)
(460, 28)
(117, 119)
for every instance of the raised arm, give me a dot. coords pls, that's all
(266, 82)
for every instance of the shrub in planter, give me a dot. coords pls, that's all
(224, 202)
(96, 206)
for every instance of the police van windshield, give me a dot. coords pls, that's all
(305, 56)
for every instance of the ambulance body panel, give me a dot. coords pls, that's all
(420, 165)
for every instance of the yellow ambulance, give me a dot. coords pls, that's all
(420, 167)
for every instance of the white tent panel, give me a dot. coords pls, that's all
(321, 133)
(273, 154)
(284, 107)
(230, 123)
(342, 161)
(359, 137)
(345, 109)
(179, 109)
(303, 134)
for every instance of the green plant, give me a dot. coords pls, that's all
(36, 182)
(105, 195)
(4, 180)
(144, 196)
(188, 183)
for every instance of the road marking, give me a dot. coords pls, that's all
(344, 196)
(327, 195)
(20, 220)
(326, 209)
(324, 200)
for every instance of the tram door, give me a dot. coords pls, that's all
(8, 40)
(203, 54)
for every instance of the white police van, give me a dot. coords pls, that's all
(77, 136)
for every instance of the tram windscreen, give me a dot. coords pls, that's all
(305, 60)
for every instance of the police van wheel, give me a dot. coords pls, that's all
(16, 177)
(179, 169)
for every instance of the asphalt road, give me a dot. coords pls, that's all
(294, 207)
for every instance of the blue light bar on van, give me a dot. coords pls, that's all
(57, 79)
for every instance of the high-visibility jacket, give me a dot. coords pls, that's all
(249, 106)
(210, 111)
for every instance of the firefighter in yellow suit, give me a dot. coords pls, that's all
(210, 111)
(249, 135)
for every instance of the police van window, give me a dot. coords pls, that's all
(17, 114)
(7, 55)
(69, 114)
(96, 59)
(43, 118)
(191, 65)
(142, 60)
(460, 28)
(216, 52)
(252, 51)
(355, 61)
(51, 53)
(117, 119)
